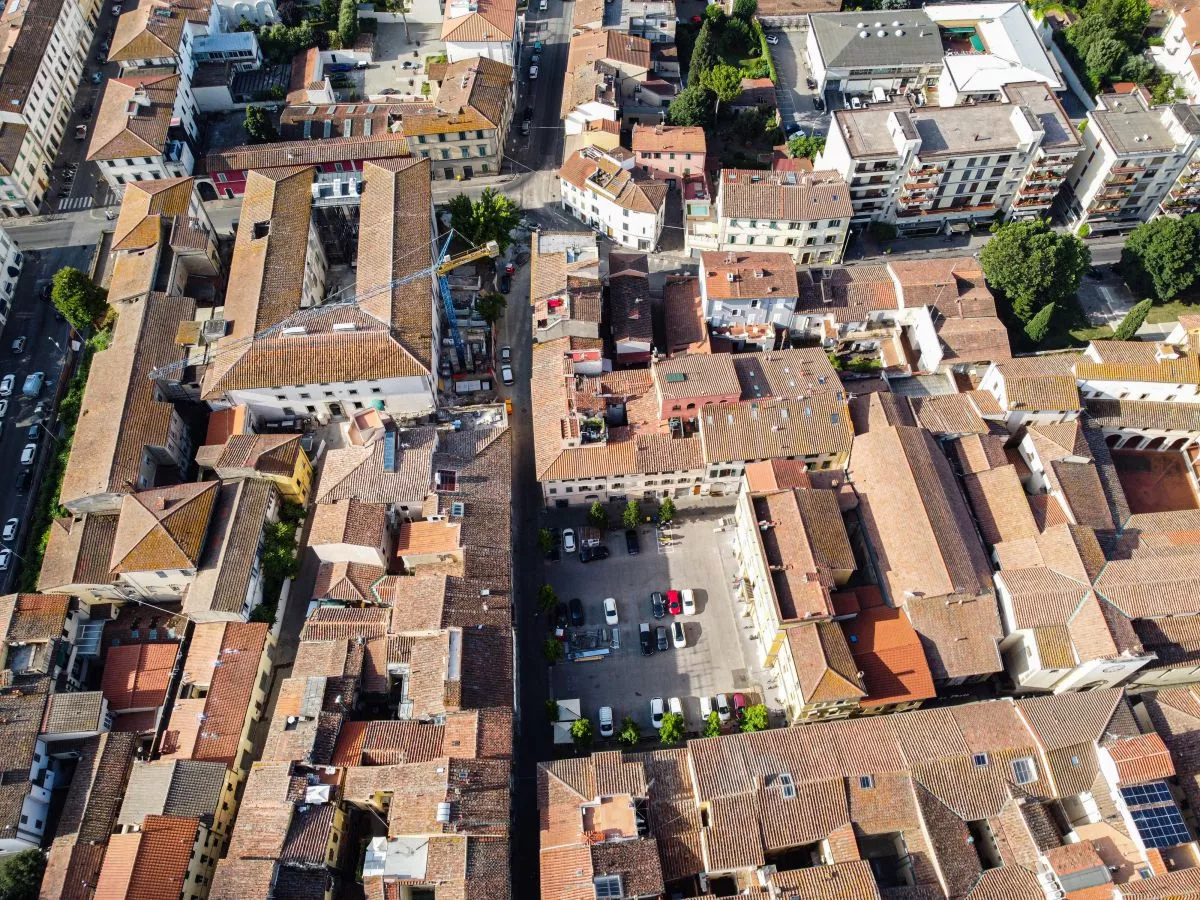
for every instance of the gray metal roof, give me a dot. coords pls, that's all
(905, 37)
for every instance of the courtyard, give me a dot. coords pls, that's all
(1155, 480)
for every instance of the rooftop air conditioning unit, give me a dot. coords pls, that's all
(212, 330)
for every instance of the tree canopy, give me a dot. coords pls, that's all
(598, 515)
(1161, 257)
(1132, 322)
(1038, 327)
(745, 9)
(692, 106)
(756, 718)
(1107, 39)
(1030, 264)
(712, 724)
(259, 127)
(631, 516)
(806, 146)
(21, 875)
(724, 81)
(348, 23)
(80, 301)
(582, 733)
(490, 218)
(671, 731)
(704, 53)
(629, 733)
(666, 511)
(491, 306)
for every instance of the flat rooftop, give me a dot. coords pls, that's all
(1129, 126)
(873, 38)
(989, 45)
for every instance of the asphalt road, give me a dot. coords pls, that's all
(46, 350)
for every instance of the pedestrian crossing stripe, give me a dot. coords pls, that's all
(68, 204)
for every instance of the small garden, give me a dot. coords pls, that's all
(279, 560)
(332, 25)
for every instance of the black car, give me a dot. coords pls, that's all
(646, 639)
(576, 612)
(528, 114)
(658, 606)
(591, 554)
(560, 616)
(661, 635)
(35, 431)
(23, 480)
(631, 542)
(504, 282)
(818, 104)
(812, 83)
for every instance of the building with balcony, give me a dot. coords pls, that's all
(602, 190)
(930, 169)
(748, 287)
(607, 77)
(856, 52)
(1179, 53)
(138, 135)
(11, 262)
(1138, 161)
(669, 152)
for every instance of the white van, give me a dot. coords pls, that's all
(706, 707)
(676, 706)
(722, 708)
(606, 721)
(689, 602)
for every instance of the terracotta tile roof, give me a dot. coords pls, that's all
(683, 313)
(764, 429)
(1042, 597)
(888, 652)
(849, 294)
(78, 552)
(1137, 361)
(415, 538)
(1041, 383)
(557, 257)
(308, 835)
(755, 274)
(978, 452)
(635, 861)
(786, 196)
(146, 207)
(351, 582)
(487, 21)
(90, 809)
(1168, 886)
(319, 122)
(480, 84)
(627, 50)
(255, 157)
(1000, 505)
(590, 170)
(1070, 718)
(359, 473)
(135, 116)
(668, 139)
(700, 375)
(1143, 414)
(223, 579)
(960, 634)
(824, 667)
(1142, 759)
(840, 881)
(150, 864)
(154, 28)
(566, 872)
(269, 454)
(1150, 587)
(75, 711)
(136, 676)
(163, 528)
(28, 30)
(120, 415)
(349, 522)
(175, 788)
(953, 414)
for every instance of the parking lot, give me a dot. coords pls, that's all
(394, 49)
(713, 662)
(793, 96)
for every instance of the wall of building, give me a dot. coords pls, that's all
(412, 394)
(635, 230)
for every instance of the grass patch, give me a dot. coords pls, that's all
(47, 508)
(434, 58)
(1169, 312)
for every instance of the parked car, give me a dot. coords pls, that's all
(576, 607)
(592, 554)
(543, 6)
(706, 708)
(561, 615)
(6, 385)
(28, 454)
(696, 20)
(18, 346)
(34, 432)
(658, 608)
(723, 709)
(660, 637)
(606, 721)
(97, 77)
(818, 104)
(645, 639)
(812, 83)
(24, 479)
(674, 603)
(772, 39)
(656, 712)
(537, 48)
(5, 558)
(855, 103)
(739, 706)
(568, 542)
(631, 542)
(10, 529)
(506, 354)
(675, 705)
(689, 602)
(3, 408)
(536, 58)
(610, 611)
(506, 374)
(533, 70)
(678, 637)
(33, 384)
(504, 283)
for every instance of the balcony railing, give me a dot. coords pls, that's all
(1111, 194)
(1125, 170)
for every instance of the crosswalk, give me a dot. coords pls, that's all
(67, 204)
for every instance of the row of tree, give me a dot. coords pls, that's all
(711, 80)
(1107, 39)
(672, 729)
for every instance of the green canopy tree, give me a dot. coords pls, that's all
(21, 875)
(545, 541)
(598, 515)
(490, 218)
(348, 23)
(1161, 257)
(80, 301)
(1127, 18)
(547, 599)
(1030, 265)
(725, 82)
(666, 512)
(552, 650)
(1132, 322)
(756, 718)
(631, 516)
(258, 125)
(704, 53)
(671, 731)
(692, 106)
(1038, 327)
(806, 146)
(712, 725)
(491, 306)
(582, 733)
(629, 734)
(745, 9)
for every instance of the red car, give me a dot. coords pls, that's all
(674, 603)
(739, 706)
(696, 20)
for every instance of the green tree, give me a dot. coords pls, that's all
(631, 517)
(21, 875)
(80, 301)
(552, 710)
(1133, 321)
(552, 650)
(629, 733)
(725, 82)
(712, 725)
(582, 733)
(1126, 18)
(671, 731)
(1030, 264)
(692, 106)
(545, 541)
(491, 306)
(715, 13)
(806, 146)
(1104, 57)
(704, 54)
(756, 718)
(598, 515)
(258, 125)
(490, 218)
(329, 9)
(745, 9)
(348, 23)
(1161, 257)
(282, 42)
(1038, 327)
(666, 512)
(547, 599)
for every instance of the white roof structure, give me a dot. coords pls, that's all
(1012, 52)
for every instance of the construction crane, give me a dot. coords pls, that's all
(444, 265)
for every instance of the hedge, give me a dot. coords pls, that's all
(766, 51)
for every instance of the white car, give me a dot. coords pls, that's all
(606, 721)
(689, 602)
(6, 385)
(568, 540)
(533, 70)
(5, 557)
(772, 39)
(28, 454)
(3, 408)
(543, 6)
(676, 706)
(722, 709)
(10, 529)
(706, 708)
(506, 374)
(678, 638)
(506, 354)
(610, 611)
(855, 103)
(656, 712)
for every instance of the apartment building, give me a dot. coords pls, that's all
(11, 262)
(805, 214)
(488, 28)
(1179, 53)
(137, 135)
(41, 65)
(929, 169)
(1138, 161)
(610, 79)
(669, 152)
(748, 288)
(566, 292)
(856, 52)
(602, 190)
